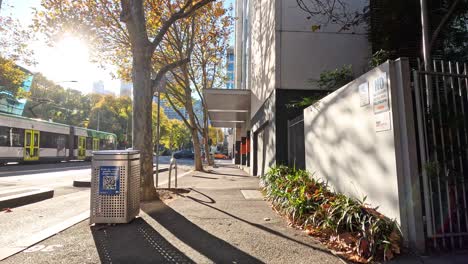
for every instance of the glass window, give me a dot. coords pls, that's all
(17, 137)
(89, 143)
(4, 136)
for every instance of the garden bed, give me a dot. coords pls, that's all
(350, 227)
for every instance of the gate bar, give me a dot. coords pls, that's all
(443, 156)
(455, 111)
(422, 150)
(466, 139)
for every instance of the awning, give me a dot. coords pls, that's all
(227, 107)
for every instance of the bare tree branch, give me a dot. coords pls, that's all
(187, 10)
(443, 22)
(166, 68)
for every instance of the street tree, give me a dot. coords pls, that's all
(177, 135)
(207, 65)
(204, 39)
(125, 33)
(15, 50)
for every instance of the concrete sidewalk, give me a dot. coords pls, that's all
(222, 219)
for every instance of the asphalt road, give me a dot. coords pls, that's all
(23, 224)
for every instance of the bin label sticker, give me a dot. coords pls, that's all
(109, 180)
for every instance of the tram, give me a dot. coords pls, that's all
(25, 139)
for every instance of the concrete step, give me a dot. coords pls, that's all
(26, 225)
(19, 197)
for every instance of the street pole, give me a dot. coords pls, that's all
(426, 50)
(157, 139)
(98, 120)
(425, 36)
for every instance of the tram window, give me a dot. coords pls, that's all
(89, 143)
(48, 140)
(17, 137)
(5, 136)
(61, 141)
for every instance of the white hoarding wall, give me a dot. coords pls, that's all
(360, 139)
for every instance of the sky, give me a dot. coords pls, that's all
(67, 62)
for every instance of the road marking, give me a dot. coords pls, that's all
(49, 169)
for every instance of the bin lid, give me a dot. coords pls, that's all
(116, 155)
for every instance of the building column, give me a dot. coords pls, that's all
(237, 146)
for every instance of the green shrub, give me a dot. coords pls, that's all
(308, 203)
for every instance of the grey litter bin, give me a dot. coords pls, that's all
(115, 186)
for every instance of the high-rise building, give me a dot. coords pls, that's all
(276, 56)
(230, 68)
(170, 112)
(98, 87)
(126, 88)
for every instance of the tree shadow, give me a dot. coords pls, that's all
(228, 174)
(259, 226)
(136, 242)
(217, 250)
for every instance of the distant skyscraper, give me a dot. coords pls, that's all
(170, 112)
(126, 88)
(98, 87)
(230, 68)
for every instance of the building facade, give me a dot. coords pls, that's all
(277, 59)
(230, 84)
(126, 88)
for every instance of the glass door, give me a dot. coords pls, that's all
(31, 144)
(95, 144)
(82, 148)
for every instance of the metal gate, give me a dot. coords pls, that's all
(441, 102)
(296, 148)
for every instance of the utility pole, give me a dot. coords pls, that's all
(425, 26)
(160, 89)
(157, 138)
(98, 120)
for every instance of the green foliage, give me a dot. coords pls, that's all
(11, 77)
(379, 57)
(305, 102)
(332, 80)
(309, 203)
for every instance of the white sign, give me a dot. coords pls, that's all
(364, 93)
(382, 122)
(381, 100)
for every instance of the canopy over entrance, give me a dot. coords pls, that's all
(227, 107)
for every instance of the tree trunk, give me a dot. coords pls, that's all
(196, 149)
(206, 135)
(142, 120)
(207, 147)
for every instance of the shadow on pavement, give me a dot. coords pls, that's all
(136, 242)
(226, 174)
(217, 250)
(259, 226)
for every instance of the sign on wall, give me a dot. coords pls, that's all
(382, 122)
(381, 98)
(364, 93)
(109, 180)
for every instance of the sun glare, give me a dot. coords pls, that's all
(68, 60)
